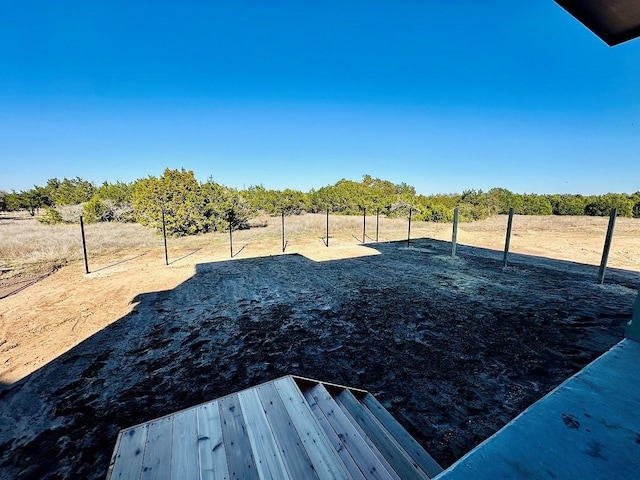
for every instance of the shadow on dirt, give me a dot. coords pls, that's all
(453, 347)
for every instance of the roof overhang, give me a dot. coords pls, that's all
(614, 21)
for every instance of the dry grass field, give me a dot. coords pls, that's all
(454, 347)
(27, 246)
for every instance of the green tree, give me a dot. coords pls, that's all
(274, 202)
(568, 204)
(189, 207)
(51, 217)
(635, 199)
(12, 201)
(119, 192)
(69, 191)
(473, 205)
(177, 194)
(536, 205)
(225, 206)
(291, 202)
(32, 200)
(259, 198)
(601, 205)
(432, 210)
(112, 202)
(236, 211)
(500, 200)
(350, 198)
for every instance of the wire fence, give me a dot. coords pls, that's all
(102, 246)
(454, 238)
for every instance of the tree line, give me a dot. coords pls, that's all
(191, 207)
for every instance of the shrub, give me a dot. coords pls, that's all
(51, 217)
(188, 206)
(106, 210)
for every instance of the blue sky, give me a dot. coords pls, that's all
(442, 95)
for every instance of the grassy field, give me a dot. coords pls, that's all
(27, 246)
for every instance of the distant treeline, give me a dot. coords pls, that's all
(191, 207)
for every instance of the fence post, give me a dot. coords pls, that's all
(283, 244)
(364, 223)
(409, 231)
(164, 234)
(84, 247)
(607, 244)
(454, 235)
(508, 239)
(327, 227)
(231, 239)
(377, 223)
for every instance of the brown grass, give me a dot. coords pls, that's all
(26, 245)
(29, 245)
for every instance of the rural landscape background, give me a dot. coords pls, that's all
(341, 137)
(190, 207)
(454, 347)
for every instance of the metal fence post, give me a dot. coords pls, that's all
(283, 244)
(327, 227)
(607, 245)
(164, 234)
(508, 239)
(84, 247)
(364, 223)
(377, 223)
(409, 231)
(454, 235)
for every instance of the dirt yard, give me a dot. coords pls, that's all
(453, 347)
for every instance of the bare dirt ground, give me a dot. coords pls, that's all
(454, 347)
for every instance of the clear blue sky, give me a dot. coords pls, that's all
(442, 95)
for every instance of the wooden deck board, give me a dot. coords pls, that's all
(238, 448)
(157, 456)
(211, 450)
(365, 455)
(130, 453)
(406, 468)
(413, 448)
(336, 442)
(212, 456)
(289, 428)
(297, 460)
(326, 462)
(265, 449)
(184, 445)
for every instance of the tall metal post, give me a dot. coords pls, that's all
(327, 227)
(283, 244)
(364, 224)
(84, 247)
(607, 244)
(508, 238)
(231, 240)
(164, 234)
(409, 231)
(377, 223)
(454, 235)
